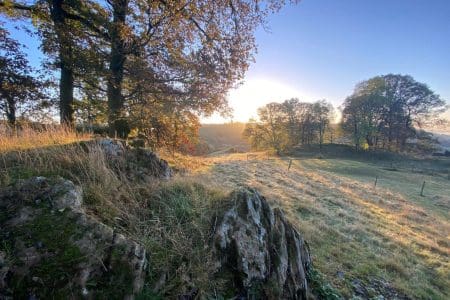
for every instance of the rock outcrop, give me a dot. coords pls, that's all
(137, 163)
(263, 253)
(50, 249)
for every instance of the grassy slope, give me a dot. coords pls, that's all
(390, 232)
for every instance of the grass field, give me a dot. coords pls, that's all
(387, 239)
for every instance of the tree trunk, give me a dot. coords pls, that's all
(118, 125)
(356, 135)
(66, 95)
(66, 80)
(11, 112)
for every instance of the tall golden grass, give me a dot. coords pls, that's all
(28, 137)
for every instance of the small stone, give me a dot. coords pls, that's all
(37, 201)
(340, 274)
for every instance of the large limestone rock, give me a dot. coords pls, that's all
(50, 249)
(265, 255)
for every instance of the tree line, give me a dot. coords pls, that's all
(292, 122)
(385, 112)
(149, 66)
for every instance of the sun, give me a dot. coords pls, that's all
(255, 93)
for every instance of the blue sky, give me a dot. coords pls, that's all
(319, 49)
(322, 48)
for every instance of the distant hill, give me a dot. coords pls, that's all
(443, 139)
(223, 136)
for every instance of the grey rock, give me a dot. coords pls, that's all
(261, 249)
(138, 163)
(68, 195)
(112, 148)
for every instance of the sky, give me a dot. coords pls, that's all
(319, 49)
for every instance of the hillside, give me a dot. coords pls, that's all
(223, 136)
(370, 231)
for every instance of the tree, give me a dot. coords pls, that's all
(17, 86)
(385, 111)
(270, 132)
(291, 109)
(322, 113)
(65, 30)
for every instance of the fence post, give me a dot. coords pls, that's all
(376, 180)
(421, 191)
(290, 163)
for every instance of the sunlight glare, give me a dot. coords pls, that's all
(255, 93)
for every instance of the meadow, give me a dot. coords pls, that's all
(386, 239)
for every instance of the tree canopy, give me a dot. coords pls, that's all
(136, 54)
(386, 111)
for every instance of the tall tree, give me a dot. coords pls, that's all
(322, 113)
(65, 29)
(18, 87)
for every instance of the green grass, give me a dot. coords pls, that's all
(389, 233)
(405, 181)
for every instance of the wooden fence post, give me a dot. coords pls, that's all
(421, 191)
(290, 163)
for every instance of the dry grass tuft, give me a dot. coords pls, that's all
(28, 137)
